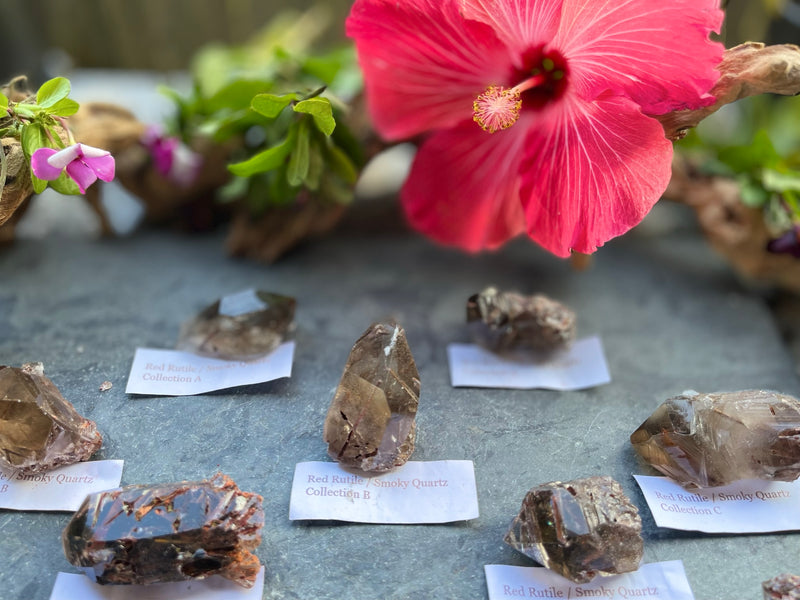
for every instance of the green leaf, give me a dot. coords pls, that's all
(264, 161)
(341, 164)
(52, 91)
(759, 153)
(33, 138)
(38, 184)
(299, 161)
(753, 194)
(65, 107)
(316, 165)
(3, 101)
(322, 112)
(236, 95)
(27, 111)
(271, 105)
(781, 182)
(65, 185)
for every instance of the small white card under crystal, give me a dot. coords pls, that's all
(174, 373)
(418, 492)
(663, 580)
(582, 366)
(70, 586)
(62, 489)
(747, 506)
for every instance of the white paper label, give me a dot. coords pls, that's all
(582, 366)
(240, 303)
(747, 506)
(62, 489)
(175, 373)
(664, 581)
(70, 586)
(418, 492)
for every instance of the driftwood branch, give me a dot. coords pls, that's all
(746, 70)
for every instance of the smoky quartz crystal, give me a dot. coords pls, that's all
(143, 534)
(371, 420)
(579, 528)
(505, 321)
(782, 587)
(39, 428)
(242, 326)
(709, 440)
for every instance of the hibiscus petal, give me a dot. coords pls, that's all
(520, 24)
(103, 166)
(41, 167)
(592, 174)
(82, 175)
(656, 52)
(423, 63)
(463, 188)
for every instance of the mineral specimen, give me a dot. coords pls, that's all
(708, 440)
(188, 530)
(239, 327)
(371, 419)
(782, 587)
(39, 429)
(502, 321)
(579, 528)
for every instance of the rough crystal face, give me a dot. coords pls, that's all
(782, 587)
(708, 440)
(503, 321)
(188, 530)
(579, 528)
(371, 420)
(252, 325)
(39, 429)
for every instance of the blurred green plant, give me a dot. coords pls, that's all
(281, 107)
(757, 143)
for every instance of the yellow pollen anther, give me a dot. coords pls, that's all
(497, 108)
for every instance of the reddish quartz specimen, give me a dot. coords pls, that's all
(188, 530)
(782, 587)
(39, 429)
(579, 528)
(505, 321)
(371, 420)
(708, 440)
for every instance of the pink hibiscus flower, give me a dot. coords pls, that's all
(84, 164)
(171, 157)
(564, 147)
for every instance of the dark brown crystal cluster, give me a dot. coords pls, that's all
(708, 440)
(146, 534)
(782, 587)
(504, 321)
(239, 335)
(371, 420)
(40, 429)
(579, 528)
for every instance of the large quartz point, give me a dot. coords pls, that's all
(188, 530)
(708, 440)
(371, 421)
(241, 326)
(782, 587)
(579, 528)
(39, 429)
(504, 321)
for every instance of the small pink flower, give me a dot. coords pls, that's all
(85, 164)
(565, 148)
(171, 157)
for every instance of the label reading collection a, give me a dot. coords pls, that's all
(747, 506)
(175, 373)
(418, 492)
(70, 586)
(62, 489)
(582, 366)
(664, 580)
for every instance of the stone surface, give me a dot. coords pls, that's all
(782, 587)
(371, 422)
(143, 534)
(708, 440)
(579, 528)
(503, 321)
(239, 335)
(39, 428)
